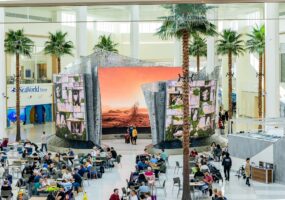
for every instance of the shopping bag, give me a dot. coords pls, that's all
(85, 197)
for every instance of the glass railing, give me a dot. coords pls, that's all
(11, 80)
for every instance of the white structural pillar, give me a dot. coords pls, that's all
(3, 94)
(178, 53)
(272, 56)
(134, 32)
(81, 31)
(212, 59)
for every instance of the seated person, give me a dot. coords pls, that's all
(149, 175)
(4, 144)
(47, 160)
(38, 176)
(66, 184)
(40, 186)
(142, 165)
(133, 195)
(199, 175)
(193, 153)
(6, 187)
(82, 170)
(141, 178)
(77, 180)
(144, 188)
(164, 155)
(60, 195)
(208, 179)
(204, 167)
(153, 159)
(91, 173)
(66, 174)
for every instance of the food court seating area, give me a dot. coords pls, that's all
(32, 173)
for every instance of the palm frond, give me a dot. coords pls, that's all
(106, 43)
(185, 17)
(230, 41)
(57, 44)
(198, 47)
(17, 43)
(256, 41)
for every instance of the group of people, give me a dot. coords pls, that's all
(223, 117)
(142, 181)
(203, 172)
(131, 135)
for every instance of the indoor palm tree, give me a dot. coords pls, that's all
(230, 44)
(198, 48)
(58, 46)
(16, 43)
(106, 43)
(185, 20)
(256, 44)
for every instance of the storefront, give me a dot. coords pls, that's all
(36, 104)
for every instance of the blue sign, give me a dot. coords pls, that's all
(32, 89)
(12, 116)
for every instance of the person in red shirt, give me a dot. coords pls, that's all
(115, 195)
(208, 179)
(193, 153)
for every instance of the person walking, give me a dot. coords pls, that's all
(227, 163)
(135, 136)
(247, 171)
(44, 141)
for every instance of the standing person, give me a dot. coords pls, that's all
(135, 136)
(44, 141)
(115, 195)
(227, 163)
(131, 133)
(247, 171)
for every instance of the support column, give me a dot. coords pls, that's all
(212, 59)
(272, 64)
(3, 93)
(177, 53)
(81, 32)
(134, 31)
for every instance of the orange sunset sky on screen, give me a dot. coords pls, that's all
(120, 87)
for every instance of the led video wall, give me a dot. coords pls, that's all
(123, 102)
(70, 107)
(202, 101)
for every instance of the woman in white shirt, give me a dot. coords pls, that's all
(133, 195)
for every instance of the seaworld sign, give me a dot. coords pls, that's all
(32, 89)
(30, 94)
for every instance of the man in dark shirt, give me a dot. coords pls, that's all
(227, 163)
(114, 153)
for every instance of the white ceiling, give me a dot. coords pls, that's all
(147, 12)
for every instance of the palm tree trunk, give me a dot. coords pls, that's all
(18, 129)
(198, 63)
(260, 87)
(186, 124)
(230, 89)
(58, 65)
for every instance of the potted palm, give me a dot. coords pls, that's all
(230, 44)
(256, 44)
(185, 20)
(58, 46)
(198, 48)
(16, 43)
(106, 43)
